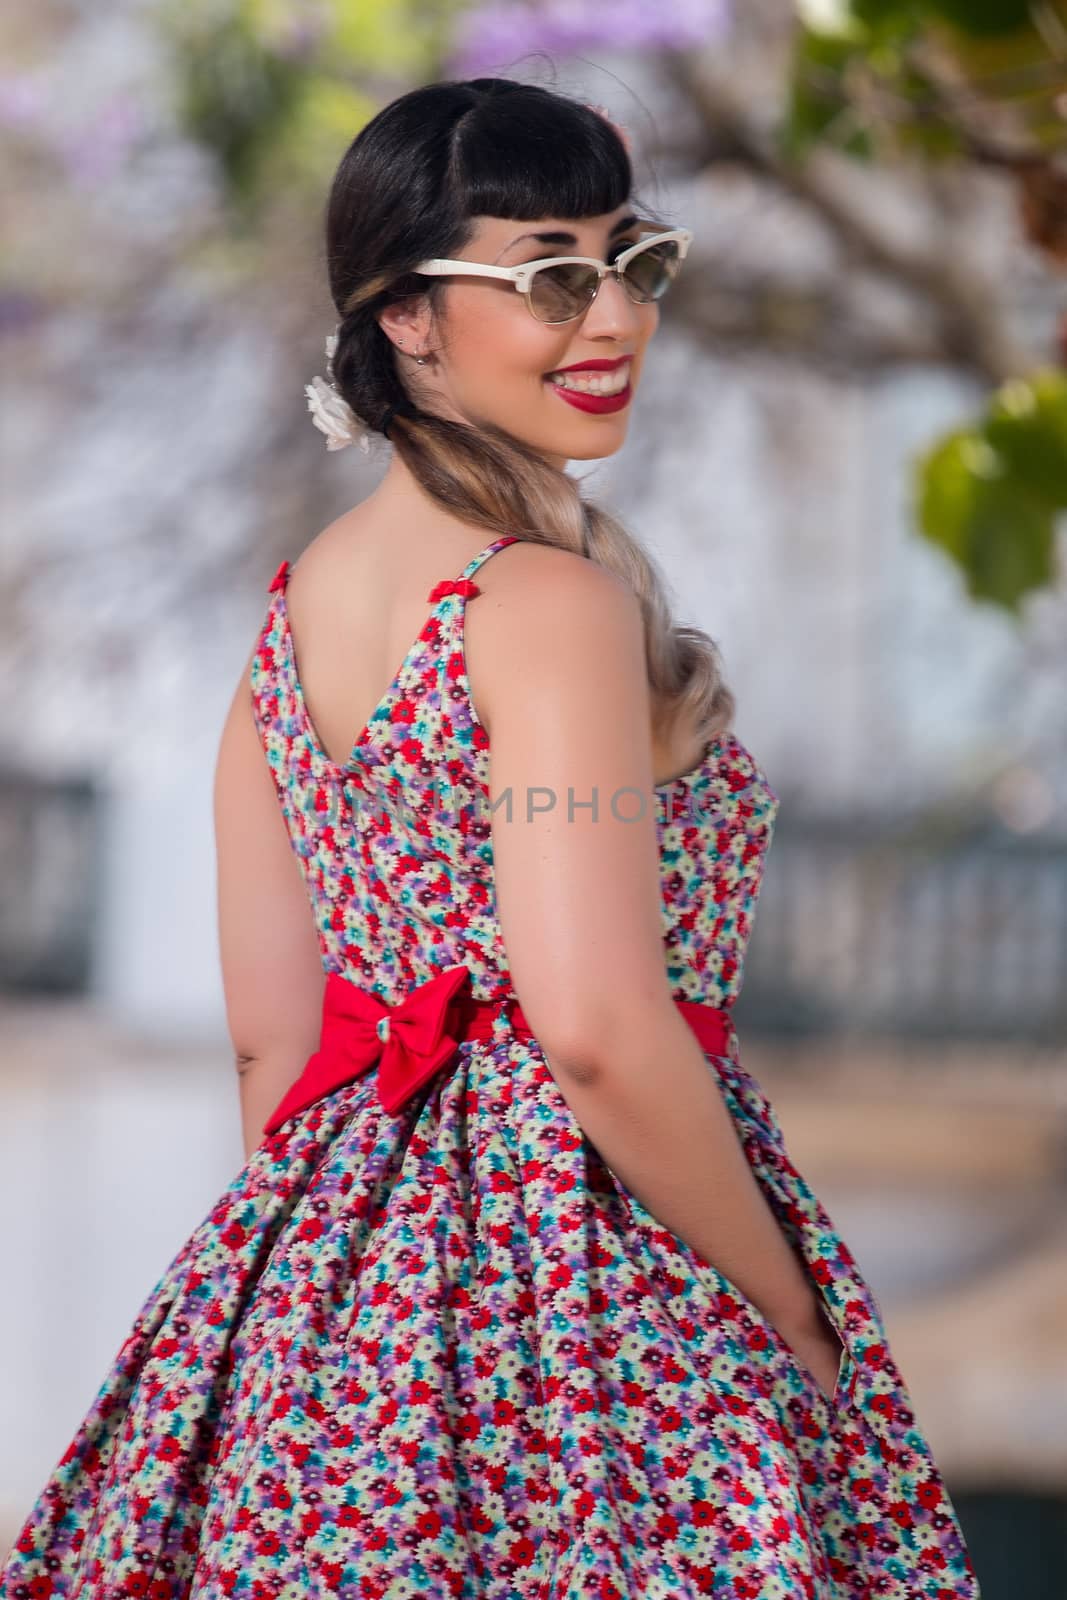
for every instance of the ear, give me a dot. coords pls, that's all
(406, 322)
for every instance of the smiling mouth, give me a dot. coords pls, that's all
(604, 383)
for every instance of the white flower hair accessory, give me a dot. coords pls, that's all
(331, 412)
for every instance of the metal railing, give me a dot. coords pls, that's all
(864, 929)
(49, 890)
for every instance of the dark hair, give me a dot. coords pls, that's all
(408, 187)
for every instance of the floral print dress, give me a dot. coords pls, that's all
(443, 1352)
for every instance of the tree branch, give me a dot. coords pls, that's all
(975, 332)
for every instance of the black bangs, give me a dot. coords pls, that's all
(522, 152)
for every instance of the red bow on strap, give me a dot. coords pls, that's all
(410, 1041)
(461, 586)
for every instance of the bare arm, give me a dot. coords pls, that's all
(557, 674)
(271, 963)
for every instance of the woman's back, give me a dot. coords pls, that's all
(356, 601)
(393, 820)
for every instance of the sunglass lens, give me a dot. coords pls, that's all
(651, 271)
(559, 293)
(562, 292)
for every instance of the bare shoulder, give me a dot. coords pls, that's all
(547, 618)
(332, 554)
(545, 572)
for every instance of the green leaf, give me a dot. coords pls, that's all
(998, 531)
(887, 19)
(817, 107)
(323, 120)
(389, 33)
(984, 17)
(868, 40)
(929, 136)
(1027, 427)
(233, 94)
(981, 17)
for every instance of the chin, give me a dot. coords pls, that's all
(600, 443)
(595, 450)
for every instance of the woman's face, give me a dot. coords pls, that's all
(490, 358)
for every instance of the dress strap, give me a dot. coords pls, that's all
(483, 555)
(464, 584)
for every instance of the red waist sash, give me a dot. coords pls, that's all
(414, 1039)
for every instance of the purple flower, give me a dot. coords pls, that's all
(23, 101)
(93, 155)
(489, 36)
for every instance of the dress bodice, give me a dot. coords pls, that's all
(395, 844)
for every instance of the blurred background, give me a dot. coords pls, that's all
(849, 453)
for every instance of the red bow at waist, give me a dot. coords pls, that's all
(414, 1039)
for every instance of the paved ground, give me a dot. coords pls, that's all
(945, 1169)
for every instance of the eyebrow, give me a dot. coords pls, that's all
(560, 236)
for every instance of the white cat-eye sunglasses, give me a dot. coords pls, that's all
(560, 288)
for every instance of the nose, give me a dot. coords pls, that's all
(612, 311)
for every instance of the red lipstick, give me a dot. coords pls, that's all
(598, 404)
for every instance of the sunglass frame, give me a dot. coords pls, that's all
(522, 277)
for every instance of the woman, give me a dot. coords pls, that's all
(454, 1329)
